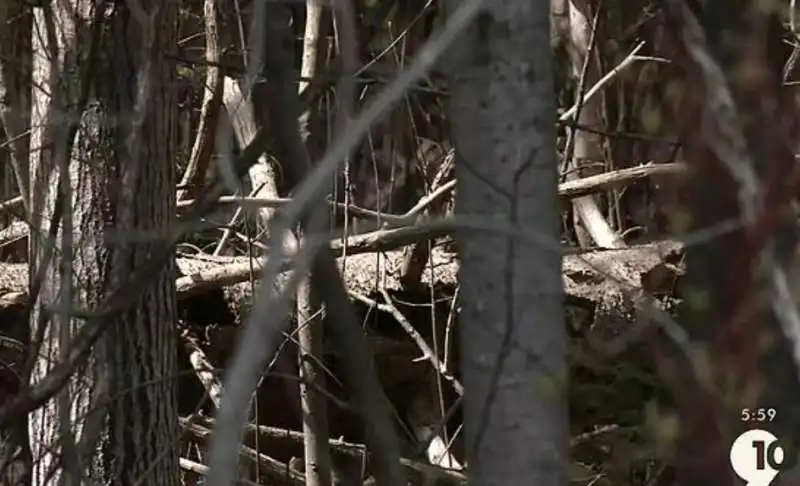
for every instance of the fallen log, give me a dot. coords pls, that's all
(600, 285)
(584, 273)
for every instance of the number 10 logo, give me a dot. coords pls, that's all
(757, 456)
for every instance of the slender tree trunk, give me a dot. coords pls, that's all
(317, 456)
(512, 323)
(110, 91)
(590, 223)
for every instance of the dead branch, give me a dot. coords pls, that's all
(446, 476)
(198, 468)
(203, 368)
(275, 469)
(581, 275)
(566, 190)
(615, 179)
(12, 204)
(427, 352)
(16, 231)
(263, 174)
(203, 148)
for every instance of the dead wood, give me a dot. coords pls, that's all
(200, 427)
(13, 204)
(589, 290)
(614, 179)
(587, 286)
(14, 242)
(584, 277)
(275, 470)
(566, 190)
(197, 169)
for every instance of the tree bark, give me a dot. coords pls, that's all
(111, 91)
(590, 223)
(512, 323)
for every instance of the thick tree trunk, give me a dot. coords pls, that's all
(512, 323)
(117, 194)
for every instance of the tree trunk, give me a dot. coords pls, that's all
(109, 90)
(512, 323)
(590, 223)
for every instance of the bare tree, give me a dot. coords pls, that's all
(102, 178)
(512, 323)
(309, 314)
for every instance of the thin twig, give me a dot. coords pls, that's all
(427, 352)
(570, 113)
